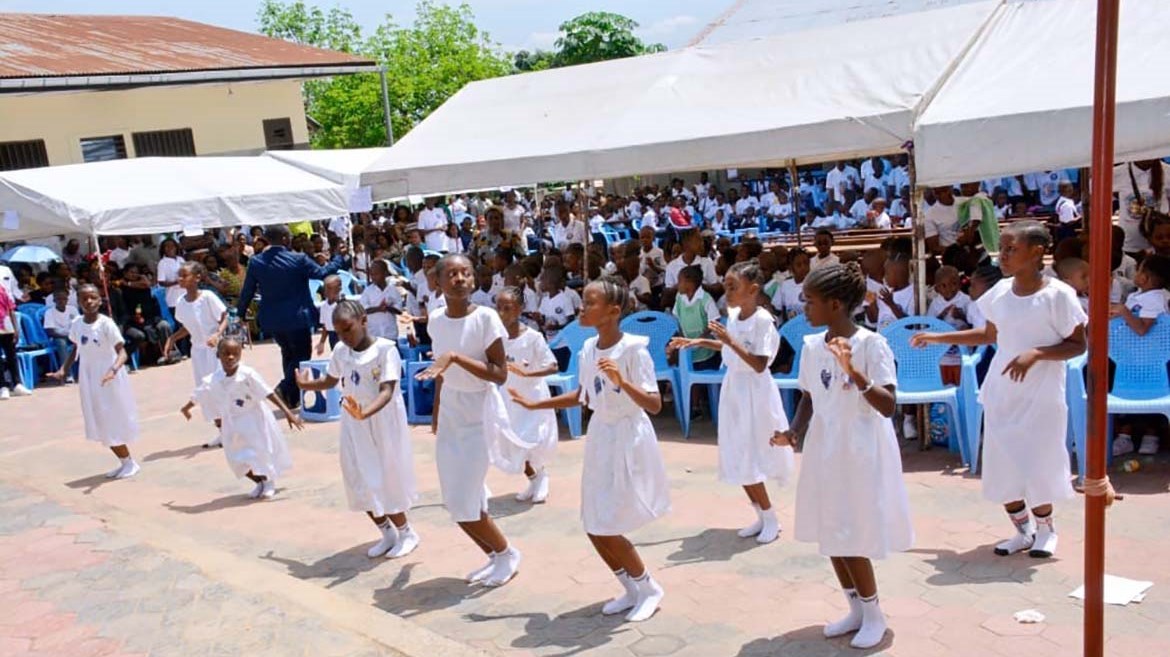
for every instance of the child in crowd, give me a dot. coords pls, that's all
(623, 478)
(750, 410)
(652, 259)
(377, 462)
(470, 420)
(950, 305)
(896, 299)
(1037, 324)
(873, 265)
(695, 309)
(1140, 310)
(1074, 273)
(107, 402)
(252, 442)
(485, 293)
(559, 306)
(57, 321)
(202, 316)
(529, 361)
(789, 298)
(630, 267)
(331, 290)
(168, 272)
(823, 241)
(850, 498)
(382, 302)
(9, 337)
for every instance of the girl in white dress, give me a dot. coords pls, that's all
(107, 402)
(850, 498)
(623, 479)
(253, 443)
(751, 412)
(203, 316)
(529, 361)
(470, 420)
(1037, 324)
(377, 461)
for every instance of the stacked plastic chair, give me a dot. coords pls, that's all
(573, 337)
(33, 345)
(419, 395)
(660, 328)
(320, 406)
(792, 333)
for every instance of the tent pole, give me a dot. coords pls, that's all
(583, 208)
(919, 252)
(1100, 249)
(794, 199)
(386, 106)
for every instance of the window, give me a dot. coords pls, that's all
(278, 134)
(169, 143)
(23, 154)
(98, 149)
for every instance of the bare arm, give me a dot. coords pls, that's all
(294, 420)
(569, 399)
(968, 338)
(756, 362)
(493, 370)
(385, 394)
(305, 381)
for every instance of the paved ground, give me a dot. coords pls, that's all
(178, 562)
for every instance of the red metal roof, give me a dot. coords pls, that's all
(48, 45)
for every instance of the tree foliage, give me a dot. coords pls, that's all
(599, 36)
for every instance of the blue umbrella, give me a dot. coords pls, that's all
(32, 254)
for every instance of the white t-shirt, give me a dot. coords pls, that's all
(1066, 210)
(325, 310)
(168, 272)
(513, 217)
(744, 203)
(816, 262)
(382, 325)
(960, 301)
(942, 221)
(8, 282)
(758, 336)
(362, 373)
(789, 299)
(482, 298)
(1127, 269)
(649, 219)
(56, 320)
(857, 212)
(903, 298)
(200, 317)
(1148, 304)
(882, 221)
(558, 310)
(1123, 185)
(430, 220)
(836, 182)
(563, 235)
(470, 336)
(1049, 184)
(639, 285)
(655, 256)
(677, 265)
(340, 226)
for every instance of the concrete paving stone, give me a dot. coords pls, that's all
(656, 646)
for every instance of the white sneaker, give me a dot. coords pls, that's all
(69, 380)
(384, 544)
(4, 394)
(1150, 444)
(540, 490)
(267, 489)
(129, 469)
(873, 625)
(1044, 545)
(214, 442)
(1122, 444)
(20, 391)
(526, 494)
(480, 574)
(851, 622)
(754, 528)
(114, 473)
(650, 595)
(1017, 543)
(255, 494)
(407, 542)
(770, 531)
(909, 427)
(625, 601)
(505, 565)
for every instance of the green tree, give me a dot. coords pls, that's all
(599, 36)
(537, 60)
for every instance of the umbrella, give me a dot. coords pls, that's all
(30, 253)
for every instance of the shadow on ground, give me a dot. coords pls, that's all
(407, 600)
(810, 640)
(339, 568)
(574, 631)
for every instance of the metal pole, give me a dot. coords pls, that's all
(1100, 249)
(919, 227)
(794, 199)
(386, 106)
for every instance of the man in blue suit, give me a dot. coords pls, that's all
(287, 312)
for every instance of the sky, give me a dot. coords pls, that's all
(515, 24)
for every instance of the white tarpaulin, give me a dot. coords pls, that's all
(153, 195)
(343, 166)
(843, 91)
(1022, 100)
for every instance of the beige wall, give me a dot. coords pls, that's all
(224, 118)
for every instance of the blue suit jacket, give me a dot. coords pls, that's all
(282, 277)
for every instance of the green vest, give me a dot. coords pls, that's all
(981, 209)
(693, 320)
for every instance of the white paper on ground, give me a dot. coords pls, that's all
(1119, 590)
(1028, 616)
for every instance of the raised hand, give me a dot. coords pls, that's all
(520, 399)
(919, 340)
(304, 377)
(719, 331)
(437, 368)
(611, 370)
(843, 352)
(351, 406)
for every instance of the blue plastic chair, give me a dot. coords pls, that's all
(320, 405)
(160, 295)
(1141, 384)
(33, 345)
(350, 286)
(919, 376)
(573, 337)
(660, 328)
(688, 377)
(792, 332)
(315, 289)
(971, 410)
(420, 395)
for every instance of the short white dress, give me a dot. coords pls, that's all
(850, 496)
(252, 440)
(377, 461)
(201, 318)
(750, 408)
(472, 421)
(530, 351)
(1025, 422)
(111, 416)
(623, 478)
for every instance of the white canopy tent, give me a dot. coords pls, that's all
(1022, 100)
(154, 195)
(343, 166)
(809, 96)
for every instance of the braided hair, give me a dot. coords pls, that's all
(226, 340)
(748, 270)
(349, 309)
(614, 291)
(844, 283)
(511, 291)
(1031, 232)
(195, 268)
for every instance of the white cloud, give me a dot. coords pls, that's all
(667, 27)
(541, 40)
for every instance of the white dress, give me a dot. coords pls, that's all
(111, 417)
(1025, 423)
(377, 461)
(252, 440)
(750, 408)
(530, 351)
(201, 318)
(850, 496)
(623, 478)
(472, 419)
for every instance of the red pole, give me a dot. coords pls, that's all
(1100, 279)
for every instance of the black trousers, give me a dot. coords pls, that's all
(295, 346)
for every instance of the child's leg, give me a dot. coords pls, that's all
(128, 467)
(1044, 545)
(526, 494)
(767, 526)
(389, 536)
(1123, 440)
(1025, 529)
(873, 623)
(851, 622)
(505, 559)
(407, 538)
(629, 595)
(648, 594)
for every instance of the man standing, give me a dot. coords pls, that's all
(287, 312)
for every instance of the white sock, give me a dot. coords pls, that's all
(481, 573)
(755, 527)
(129, 469)
(770, 530)
(255, 494)
(873, 625)
(505, 565)
(114, 473)
(267, 489)
(526, 494)
(384, 544)
(407, 542)
(649, 597)
(625, 601)
(540, 487)
(1024, 537)
(851, 622)
(1044, 545)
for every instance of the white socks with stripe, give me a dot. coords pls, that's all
(1025, 534)
(627, 600)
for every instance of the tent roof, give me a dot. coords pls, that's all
(758, 102)
(153, 195)
(343, 166)
(1022, 100)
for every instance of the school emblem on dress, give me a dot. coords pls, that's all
(826, 377)
(355, 377)
(559, 310)
(85, 339)
(376, 373)
(240, 403)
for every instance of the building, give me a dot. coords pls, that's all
(87, 88)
